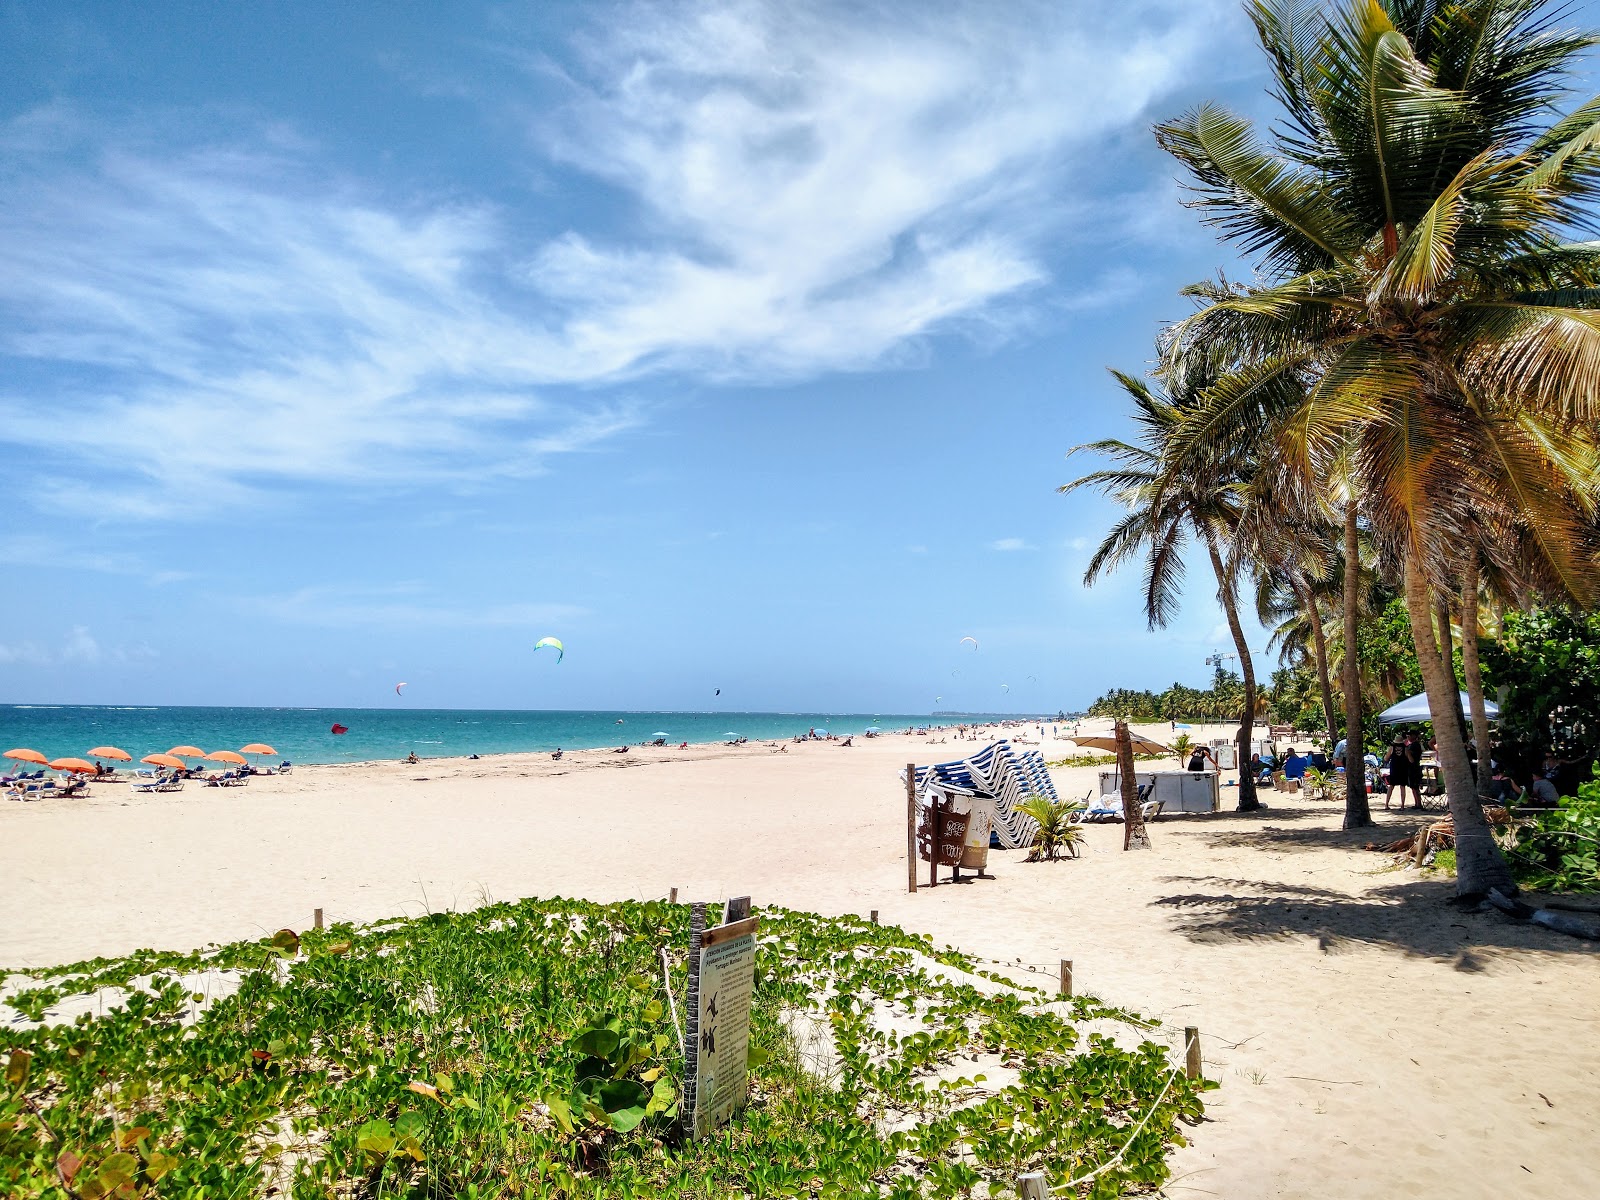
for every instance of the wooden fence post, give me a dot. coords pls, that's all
(874, 916)
(911, 827)
(672, 897)
(1031, 1186)
(1066, 977)
(316, 919)
(1191, 1051)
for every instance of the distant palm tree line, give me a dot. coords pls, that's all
(1404, 394)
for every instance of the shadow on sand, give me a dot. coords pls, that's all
(1415, 917)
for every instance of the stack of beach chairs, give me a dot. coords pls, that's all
(999, 771)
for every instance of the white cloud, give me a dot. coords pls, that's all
(81, 646)
(77, 646)
(397, 606)
(804, 189)
(825, 182)
(224, 324)
(1010, 543)
(24, 652)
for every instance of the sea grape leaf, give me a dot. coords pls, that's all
(286, 942)
(600, 1042)
(17, 1068)
(561, 1111)
(131, 1137)
(375, 1137)
(67, 1166)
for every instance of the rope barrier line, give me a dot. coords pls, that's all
(666, 984)
(1137, 1129)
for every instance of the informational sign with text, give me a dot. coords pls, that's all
(727, 978)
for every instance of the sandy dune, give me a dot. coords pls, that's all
(1371, 1041)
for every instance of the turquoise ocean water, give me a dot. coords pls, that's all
(303, 734)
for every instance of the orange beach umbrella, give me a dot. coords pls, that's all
(227, 756)
(163, 760)
(187, 752)
(29, 756)
(257, 748)
(73, 764)
(110, 752)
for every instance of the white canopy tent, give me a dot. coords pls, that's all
(1416, 709)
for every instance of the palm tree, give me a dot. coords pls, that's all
(1206, 506)
(1409, 227)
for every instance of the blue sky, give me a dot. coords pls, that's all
(737, 344)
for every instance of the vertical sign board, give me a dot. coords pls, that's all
(721, 1052)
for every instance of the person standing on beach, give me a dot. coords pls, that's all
(1399, 773)
(1412, 755)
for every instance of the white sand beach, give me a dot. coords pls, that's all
(1371, 1041)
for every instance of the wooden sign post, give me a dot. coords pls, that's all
(911, 827)
(722, 968)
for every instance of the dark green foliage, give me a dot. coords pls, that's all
(1548, 660)
(525, 1050)
(1560, 851)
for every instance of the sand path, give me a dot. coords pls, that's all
(1371, 1041)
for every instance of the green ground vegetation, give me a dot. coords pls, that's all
(529, 1050)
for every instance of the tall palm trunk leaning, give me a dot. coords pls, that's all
(1476, 852)
(1157, 524)
(1248, 800)
(1357, 811)
(1319, 646)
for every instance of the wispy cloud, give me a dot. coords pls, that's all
(1010, 543)
(827, 182)
(804, 189)
(397, 606)
(78, 646)
(221, 322)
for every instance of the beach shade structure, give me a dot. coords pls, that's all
(75, 765)
(1109, 745)
(227, 756)
(258, 748)
(28, 756)
(164, 760)
(1415, 708)
(110, 752)
(187, 752)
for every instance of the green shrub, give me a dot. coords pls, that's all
(1559, 851)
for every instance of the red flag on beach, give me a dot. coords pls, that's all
(338, 728)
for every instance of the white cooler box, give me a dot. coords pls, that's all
(1178, 791)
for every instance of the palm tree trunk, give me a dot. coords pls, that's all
(1247, 722)
(1479, 864)
(1441, 604)
(1357, 812)
(1473, 670)
(1319, 644)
